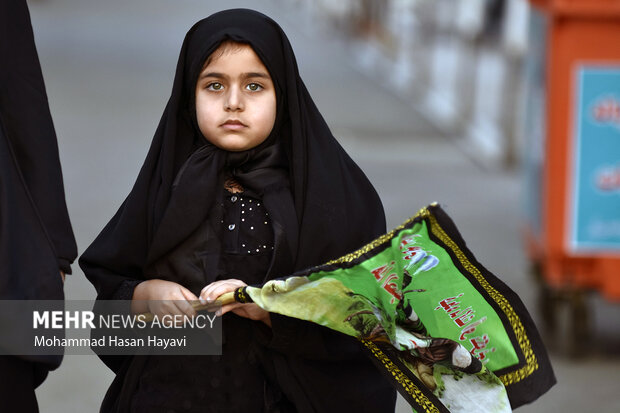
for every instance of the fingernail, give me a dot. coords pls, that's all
(202, 301)
(209, 299)
(218, 313)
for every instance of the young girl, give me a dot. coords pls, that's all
(243, 183)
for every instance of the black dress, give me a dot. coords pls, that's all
(234, 381)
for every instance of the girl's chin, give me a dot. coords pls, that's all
(235, 147)
(236, 144)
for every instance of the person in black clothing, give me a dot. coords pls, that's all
(243, 183)
(37, 245)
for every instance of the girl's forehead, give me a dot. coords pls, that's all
(227, 48)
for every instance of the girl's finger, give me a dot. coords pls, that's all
(188, 295)
(207, 292)
(164, 310)
(228, 307)
(212, 291)
(185, 308)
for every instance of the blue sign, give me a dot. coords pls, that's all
(596, 161)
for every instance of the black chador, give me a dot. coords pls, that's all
(181, 222)
(36, 239)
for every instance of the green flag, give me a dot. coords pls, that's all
(449, 334)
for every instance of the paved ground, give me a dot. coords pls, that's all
(108, 66)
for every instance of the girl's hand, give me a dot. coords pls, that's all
(212, 291)
(162, 298)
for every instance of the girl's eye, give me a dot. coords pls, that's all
(215, 86)
(254, 87)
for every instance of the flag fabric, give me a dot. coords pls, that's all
(449, 335)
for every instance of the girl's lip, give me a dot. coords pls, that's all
(233, 124)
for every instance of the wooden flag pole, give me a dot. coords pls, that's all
(226, 298)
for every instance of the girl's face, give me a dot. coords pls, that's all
(235, 99)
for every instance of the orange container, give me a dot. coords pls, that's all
(582, 58)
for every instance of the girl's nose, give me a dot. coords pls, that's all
(234, 100)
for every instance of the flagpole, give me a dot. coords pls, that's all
(226, 298)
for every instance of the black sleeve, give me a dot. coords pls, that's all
(125, 290)
(27, 122)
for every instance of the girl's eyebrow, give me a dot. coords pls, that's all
(247, 75)
(212, 74)
(261, 75)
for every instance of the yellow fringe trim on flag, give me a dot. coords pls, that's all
(401, 378)
(531, 363)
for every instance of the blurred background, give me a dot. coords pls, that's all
(440, 100)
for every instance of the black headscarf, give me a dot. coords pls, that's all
(36, 239)
(322, 204)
